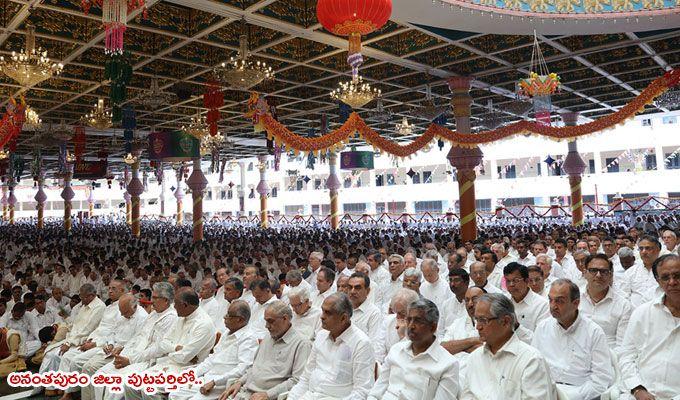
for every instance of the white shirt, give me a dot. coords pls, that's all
(232, 355)
(58, 306)
(505, 261)
(380, 279)
(612, 314)
(649, 355)
(461, 328)
(451, 310)
(531, 310)
(340, 368)
(27, 326)
(257, 323)
(195, 333)
(47, 318)
(490, 288)
(145, 345)
(318, 298)
(61, 281)
(638, 285)
(528, 260)
(73, 283)
(430, 375)
(369, 319)
(438, 292)
(127, 328)
(212, 308)
(85, 321)
(308, 324)
(579, 356)
(516, 372)
(391, 337)
(495, 277)
(108, 324)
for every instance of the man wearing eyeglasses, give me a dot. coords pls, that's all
(575, 347)
(648, 365)
(602, 303)
(638, 283)
(530, 307)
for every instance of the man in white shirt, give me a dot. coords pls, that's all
(144, 348)
(530, 308)
(495, 274)
(524, 257)
(59, 277)
(479, 274)
(75, 280)
(394, 324)
(418, 368)
(575, 347)
(454, 306)
(501, 252)
(380, 279)
(26, 325)
(396, 267)
(59, 303)
(564, 259)
(603, 304)
(434, 288)
(306, 319)
(232, 355)
(546, 263)
(366, 316)
(187, 343)
(209, 303)
(537, 281)
(648, 362)
(325, 280)
(504, 367)
(341, 363)
(263, 295)
(638, 284)
(314, 259)
(130, 319)
(294, 280)
(44, 316)
(671, 245)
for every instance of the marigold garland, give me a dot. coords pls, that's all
(355, 124)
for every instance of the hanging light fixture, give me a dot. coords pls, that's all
(242, 73)
(197, 128)
(404, 128)
(30, 66)
(355, 93)
(33, 122)
(210, 143)
(99, 118)
(428, 110)
(4, 154)
(154, 98)
(492, 119)
(381, 114)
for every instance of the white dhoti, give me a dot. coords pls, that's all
(32, 346)
(93, 363)
(73, 361)
(104, 393)
(50, 362)
(316, 396)
(193, 392)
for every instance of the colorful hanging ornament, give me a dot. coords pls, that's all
(119, 71)
(539, 85)
(114, 19)
(213, 99)
(79, 140)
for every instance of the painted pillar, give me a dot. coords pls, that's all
(179, 195)
(242, 190)
(574, 166)
(40, 198)
(11, 201)
(263, 189)
(161, 198)
(464, 159)
(67, 194)
(4, 202)
(128, 207)
(135, 189)
(197, 183)
(333, 185)
(90, 203)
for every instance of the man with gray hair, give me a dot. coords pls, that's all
(293, 280)
(413, 279)
(209, 302)
(314, 260)
(306, 318)
(504, 367)
(232, 355)
(141, 351)
(340, 365)
(627, 257)
(434, 288)
(279, 361)
(394, 324)
(419, 367)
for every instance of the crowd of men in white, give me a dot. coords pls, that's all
(581, 320)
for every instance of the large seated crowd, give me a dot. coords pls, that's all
(395, 311)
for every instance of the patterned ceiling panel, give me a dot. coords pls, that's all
(257, 35)
(298, 49)
(566, 64)
(475, 67)
(169, 69)
(589, 83)
(62, 25)
(242, 4)
(576, 43)
(578, 75)
(177, 19)
(147, 42)
(442, 55)
(651, 73)
(203, 54)
(302, 74)
(619, 54)
(522, 55)
(405, 43)
(384, 71)
(496, 43)
(631, 65)
(298, 12)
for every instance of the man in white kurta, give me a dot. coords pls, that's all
(505, 367)
(638, 284)
(575, 347)
(530, 308)
(649, 356)
(306, 319)
(145, 347)
(26, 325)
(418, 367)
(187, 344)
(232, 355)
(341, 363)
(365, 316)
(434, 288)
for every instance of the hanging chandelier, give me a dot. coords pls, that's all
(492, 119)
(210, 143)
(99, 118)
(242, 73)
(429, 110)
(381, 114)
(129, 159)
(30, 66)
(355, 93)
(197, 128)
(154, 98)
(32, 122)
(4, 154)
(404, 128)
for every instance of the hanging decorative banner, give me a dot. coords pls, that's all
(356, 125)
(213, 99)
(173, 146)
(114, 19)
(12, 121)
(79, 140)
(90, 169)
(356, 160)
(119, 71)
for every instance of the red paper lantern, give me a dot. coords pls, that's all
(353, 18)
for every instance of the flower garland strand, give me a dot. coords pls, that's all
(356, 125)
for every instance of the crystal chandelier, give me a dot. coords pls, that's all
(32, 122)
(381, 114)
(99, 118)
(129, 159)
(154, 98)
(404, 128)
(30, 66)
(3, 154)
(429, 110)
(210, 143)
(197, 128)
(492, 119)
(242, 73)
(355, 93)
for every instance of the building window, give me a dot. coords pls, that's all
(396, 207)
(647, 122)
(428, 206)
(591, 166)
(294, 210)
(315, 209)
(275, 191)
(223, 194)
(390, 179)
(416, 178)
(427, 176)
(670, 120)
(672, 162)
(299, 184)
(230, 194)
(347, 183)
(379, 180)
(483, 204)
(209, 195)
(354, 208)
(317, 184)
(611, 165)
(650, 162)
(250, 166)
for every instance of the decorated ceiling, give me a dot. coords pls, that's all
(179, 42)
